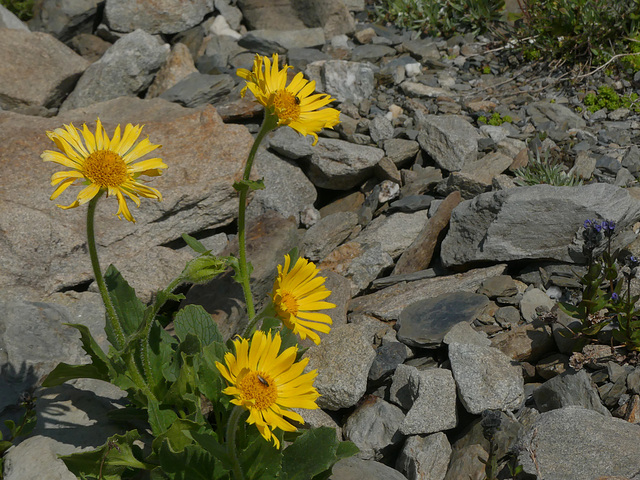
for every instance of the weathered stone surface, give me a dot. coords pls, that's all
(157, 16)
(434, 407)
(178, 66)
(354, 468)
(287, 190)
(125, 69)
(536, 222)
(374, 428)
(425, 457)
(529, 342)
(449, 139)
(348, 81)
(426, 322)
(569, 389)
(339, 387)
(327, 234)
(360, 263)
(339, 165)
(388, 303)
(64, 20)
(419, 254)
(486, 378)
(51, 67)
(573, 442)
(197, 202)
(9, 20)
(395, 232)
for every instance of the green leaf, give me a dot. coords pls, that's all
(159, 354)
(65, 372)
(129, 309)
(111, 460)
(178, 435)
(261, 460)
(192, 463)
(160, 419)
(245, 185)
(210, 381)
(194, 319)
(195, 245)
(313, 453)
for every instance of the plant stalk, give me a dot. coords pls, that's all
(97, 272)
(269, 123)
(232, 428)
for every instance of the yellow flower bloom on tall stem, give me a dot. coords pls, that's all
(295, 104)
(297, 295)
(103, 165)
(268, 383)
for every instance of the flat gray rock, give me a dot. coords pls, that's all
(338, 165)
(51, 67)
(338, 386)
(287, 190)
(374, 428)
(426, 322)
(569, 389)
(354, 468)
(348, 81)
(125, 69)
(573, 442)
(425, 457)
(199, 89)
(388, 303)
(486, 378)
(156, 16)
(450, 140)
(434, 407)
(536, 222)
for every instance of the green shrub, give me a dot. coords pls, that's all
(609, 99)
(580, 31)
(440, 17)
(495, 119)
(23, 9)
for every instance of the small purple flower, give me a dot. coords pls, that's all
(614, 297)
(596, 226)
(608, 226)
(587, 223)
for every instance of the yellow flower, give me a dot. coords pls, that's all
(297, 294)
(268, 384)
(295, 104)
(103, 165)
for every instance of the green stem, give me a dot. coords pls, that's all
(97, 272)
(232, 429)
(268, 124)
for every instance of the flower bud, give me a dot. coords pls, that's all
(203, 268)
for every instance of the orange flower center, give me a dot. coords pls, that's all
(258, 388)
(286, 304)
(287, 106)
(105, 168)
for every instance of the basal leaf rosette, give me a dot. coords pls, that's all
(294, 105)
(103, 164)
(268, 383)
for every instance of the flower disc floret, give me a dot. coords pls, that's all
(268, 383)
(298, 294)
(103, 164)
(294, 105)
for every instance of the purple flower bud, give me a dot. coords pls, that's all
(614, 297)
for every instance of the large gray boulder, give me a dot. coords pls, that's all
(126, 69)
(573, 442)
(156, 16)
(536, 222)
(52, 69)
